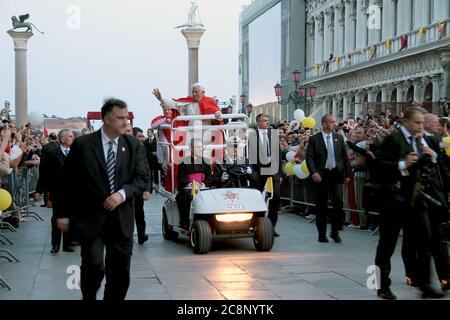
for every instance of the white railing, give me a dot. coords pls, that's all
(415, 39)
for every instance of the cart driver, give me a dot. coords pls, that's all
(191, 168)
(233, 159)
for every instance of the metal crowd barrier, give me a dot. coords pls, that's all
(18, 185)
(294, 195)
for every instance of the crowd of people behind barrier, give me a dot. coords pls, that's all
(362, 136)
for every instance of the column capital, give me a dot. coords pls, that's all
(20, 39)
(363, 5)
(193, 37)
(418, 82)
(436, 78)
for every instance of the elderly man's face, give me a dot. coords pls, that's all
(167, 113)
(198, 94)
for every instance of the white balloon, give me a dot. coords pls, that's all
(299, 115)
(290, 155)
(299, 173)
(297, 170)
(36, 118)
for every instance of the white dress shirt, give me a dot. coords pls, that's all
(324, 136)
(63, 150)
(407, 134)
(105, 141)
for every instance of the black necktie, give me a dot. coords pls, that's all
(111, 165)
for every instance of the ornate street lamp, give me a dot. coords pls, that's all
(301, 96)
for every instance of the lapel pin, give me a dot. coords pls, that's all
(123, 149)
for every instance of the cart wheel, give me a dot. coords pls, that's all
(263, 238)
(201, 236)
(167, 233)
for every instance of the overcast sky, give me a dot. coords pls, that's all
(122, 49)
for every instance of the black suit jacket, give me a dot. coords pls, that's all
(53, 170)
(317, 153)
(87, 186)
(219, 169)
(386, 171)
(46, 149)
(254, 145)
(150, 148)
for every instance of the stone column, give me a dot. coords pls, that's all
(310, 53)
(325, 104)
(384, 94)
(388, 23)
(338, 30)
(334, 111)
(193, 36)
(358, 102)
(407, 22)
(327, 34)
(318, 40)
(375, 34)
(421, 13)
(350, 25)
(362, 29)
(436, 81)
(441, 10)
(372, 95)
(445, 62)
(21, 85)
(418, 90)
(346, 106)
(401, 95)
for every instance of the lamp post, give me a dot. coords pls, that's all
(301, 96)
(243, 100)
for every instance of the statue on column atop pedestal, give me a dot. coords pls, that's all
(20, 22)
(192, 18)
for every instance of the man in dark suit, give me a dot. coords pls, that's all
(50, 179)
(103, 173)
(139, 213)
(150, 145)
(265, 155)
(245, 175)
(327, 161)
(400, 164)
(438, 215)
(51, 145)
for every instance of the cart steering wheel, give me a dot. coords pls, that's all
(237, 170)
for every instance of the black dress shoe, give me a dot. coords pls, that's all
(429, 293)
(68, 249)
(336, 238)
(275, 234)
(323, 239)
(143, 239)
(386, 294)
(75, 244)
(54, 250)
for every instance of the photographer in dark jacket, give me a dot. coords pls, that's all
(401, 162)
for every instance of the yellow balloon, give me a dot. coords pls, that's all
(5, 200)
(447, 141)
(305, 167)
(289, 169)
(309, 122)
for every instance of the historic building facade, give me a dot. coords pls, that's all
(374, 54)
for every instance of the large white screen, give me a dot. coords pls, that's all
(264, 56)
